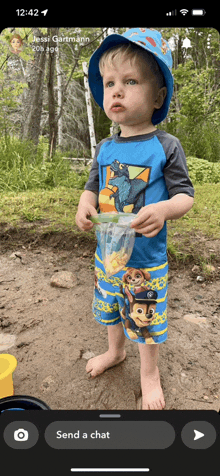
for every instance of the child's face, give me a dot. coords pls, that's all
(135, 89)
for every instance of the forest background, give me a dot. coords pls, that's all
(46, 118)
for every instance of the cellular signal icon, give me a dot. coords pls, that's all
(172, 13)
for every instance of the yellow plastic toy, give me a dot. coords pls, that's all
(8, 364)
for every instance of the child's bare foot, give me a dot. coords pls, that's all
(152, 393)
(102, 362)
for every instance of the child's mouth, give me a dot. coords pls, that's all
(117, 108)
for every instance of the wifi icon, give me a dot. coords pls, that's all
(184, 11)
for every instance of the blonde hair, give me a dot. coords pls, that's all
(132, 52)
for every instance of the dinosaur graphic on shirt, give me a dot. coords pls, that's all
(125, 186)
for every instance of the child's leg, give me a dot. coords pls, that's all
(152, 394)
(114, 355)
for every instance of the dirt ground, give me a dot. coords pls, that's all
(54, 334)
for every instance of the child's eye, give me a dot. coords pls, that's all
(110, 84)
(132, 81)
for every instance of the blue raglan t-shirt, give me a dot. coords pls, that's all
(129, 173)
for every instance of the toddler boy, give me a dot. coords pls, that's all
(140, 170)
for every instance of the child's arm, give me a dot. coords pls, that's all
(86, 208)
(150, 219)
(177, 206)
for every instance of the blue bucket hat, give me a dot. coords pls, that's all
(149, 39)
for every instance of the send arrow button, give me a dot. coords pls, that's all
(203, 437)
(198, 435)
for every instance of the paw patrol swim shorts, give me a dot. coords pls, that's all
(135, 297)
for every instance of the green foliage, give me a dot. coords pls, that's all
(202, 171)
(197, 123)
(25, 167)
(194, 115)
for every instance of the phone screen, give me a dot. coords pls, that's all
(113, 372)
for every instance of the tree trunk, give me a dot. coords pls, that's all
(89, 110)
(53, 125)
(34, 99)
(59, 99)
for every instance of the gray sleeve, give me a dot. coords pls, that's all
(175, 171)
(93, 181)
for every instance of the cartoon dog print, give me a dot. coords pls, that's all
(98, 287)
(139, 311)
(134, 278)
(142, 310)
(164, 47)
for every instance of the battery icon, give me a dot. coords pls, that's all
(198, 13)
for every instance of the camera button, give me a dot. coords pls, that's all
(21, 435)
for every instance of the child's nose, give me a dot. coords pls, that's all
(118, 91)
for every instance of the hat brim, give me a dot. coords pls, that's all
(96, 82)
(141, 301)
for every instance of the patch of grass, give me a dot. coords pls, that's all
(58, 206)
(202, 222)
(187, 236)
(23, 166)
(204, 216)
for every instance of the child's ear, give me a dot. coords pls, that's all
(160, 98)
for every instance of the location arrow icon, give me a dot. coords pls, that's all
(198, 435)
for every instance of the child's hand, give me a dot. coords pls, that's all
(82, 217)
(150, 220)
